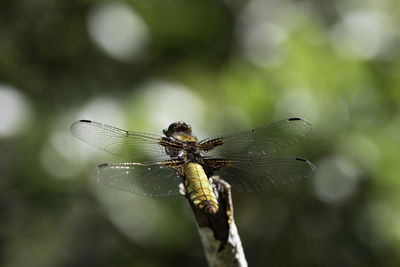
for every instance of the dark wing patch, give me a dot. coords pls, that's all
(208, 145)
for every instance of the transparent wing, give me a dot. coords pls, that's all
(261, 173)
(257, 142)
(152, 179)
(134, 145)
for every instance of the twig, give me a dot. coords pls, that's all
(218, 232)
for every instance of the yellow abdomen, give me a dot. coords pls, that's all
(199, 188)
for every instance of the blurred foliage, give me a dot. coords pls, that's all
(220, 65)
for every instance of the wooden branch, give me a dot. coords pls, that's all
(218, 232)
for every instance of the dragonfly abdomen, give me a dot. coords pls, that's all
(199, 188)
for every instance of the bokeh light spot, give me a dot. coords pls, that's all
(336, 179)
(298, 103)
(165, 102)
(118, 30)
(262, 32)
(63, 155)
(361, 149)
(362, 34)
(15, 111)
(262, 44)
(104, 110)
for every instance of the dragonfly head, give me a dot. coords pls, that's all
(178, 129)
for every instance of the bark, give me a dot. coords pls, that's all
(218, 232)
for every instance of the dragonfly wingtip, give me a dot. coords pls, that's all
(294, 119)
(312, 166)
(102, 165)
(88, 121)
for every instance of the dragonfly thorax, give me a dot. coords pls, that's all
(181, 133)
(190, 151)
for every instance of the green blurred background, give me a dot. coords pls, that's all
(219, 65)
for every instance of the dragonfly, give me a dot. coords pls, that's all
(158, 164)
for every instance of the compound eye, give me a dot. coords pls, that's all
(172, 128)
(178, 127)
(189, 129)
(186, 128)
